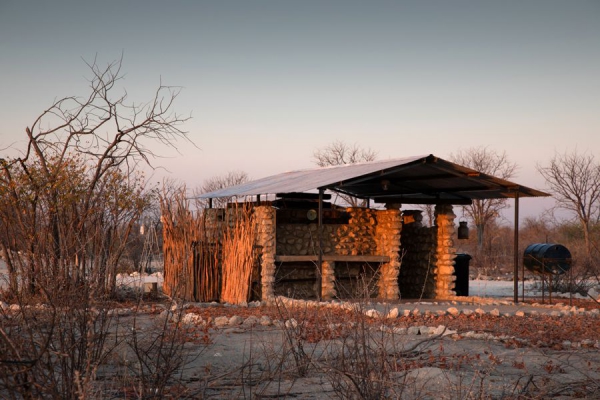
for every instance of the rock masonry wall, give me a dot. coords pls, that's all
(266, 241)
(422, 267)
(387, 234)
(445, 252)
(355, 238)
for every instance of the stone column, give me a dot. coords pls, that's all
(328, 291)
(445, 252)
(266, 238)
(389, 227)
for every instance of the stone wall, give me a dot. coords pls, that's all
(266, 242)
(355, 238)
(421, 261)
(387, 235)
(445, 252)
(358, 237)
(368, 232)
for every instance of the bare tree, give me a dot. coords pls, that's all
(574, 180)
(489, 162)
(340, 153)
(70, 200)
(232, 178)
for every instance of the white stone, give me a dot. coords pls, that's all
(413, 330)
(221, 321)
(192, 319)
(372, 313)
(453, 311)
(251, 321)
(424, 330)
(393, 313)
(495, 312)
(291, 323)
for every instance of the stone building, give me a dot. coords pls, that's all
(310, 247)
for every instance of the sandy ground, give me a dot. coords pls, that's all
(437, 350)
(478, 347)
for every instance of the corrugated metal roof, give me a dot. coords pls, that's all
(306, 180)
(409, 180)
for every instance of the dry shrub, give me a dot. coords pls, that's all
(237, 256)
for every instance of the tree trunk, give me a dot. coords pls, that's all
(480, 229)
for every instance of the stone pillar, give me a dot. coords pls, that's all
(328, 291)
(389, 227)
(266, 238)
(445, 252)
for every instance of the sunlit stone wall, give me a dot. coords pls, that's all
(445, 252)
(266, 240)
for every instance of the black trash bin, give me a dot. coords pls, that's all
(461, 272)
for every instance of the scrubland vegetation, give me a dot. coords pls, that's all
(70, 209)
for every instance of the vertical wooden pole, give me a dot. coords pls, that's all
(516, 250)
(320, 258)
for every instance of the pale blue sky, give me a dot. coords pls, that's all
(268, 82)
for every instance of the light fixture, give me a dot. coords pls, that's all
(463, 230)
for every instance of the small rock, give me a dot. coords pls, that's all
(235, 320)
(164, 315)
(393, 313)
(439, 330)
(416, 312)
(467, 311)
(191, 319)
(413, 330)
(265, 320)
(251, 321)
(221, 321)
(372, 313)
(291, 323)
(495, 312)
(520, 314)
(587, 343)
(425, 330)
(453, 311)
(480, 311)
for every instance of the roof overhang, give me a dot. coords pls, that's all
(415, 180)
